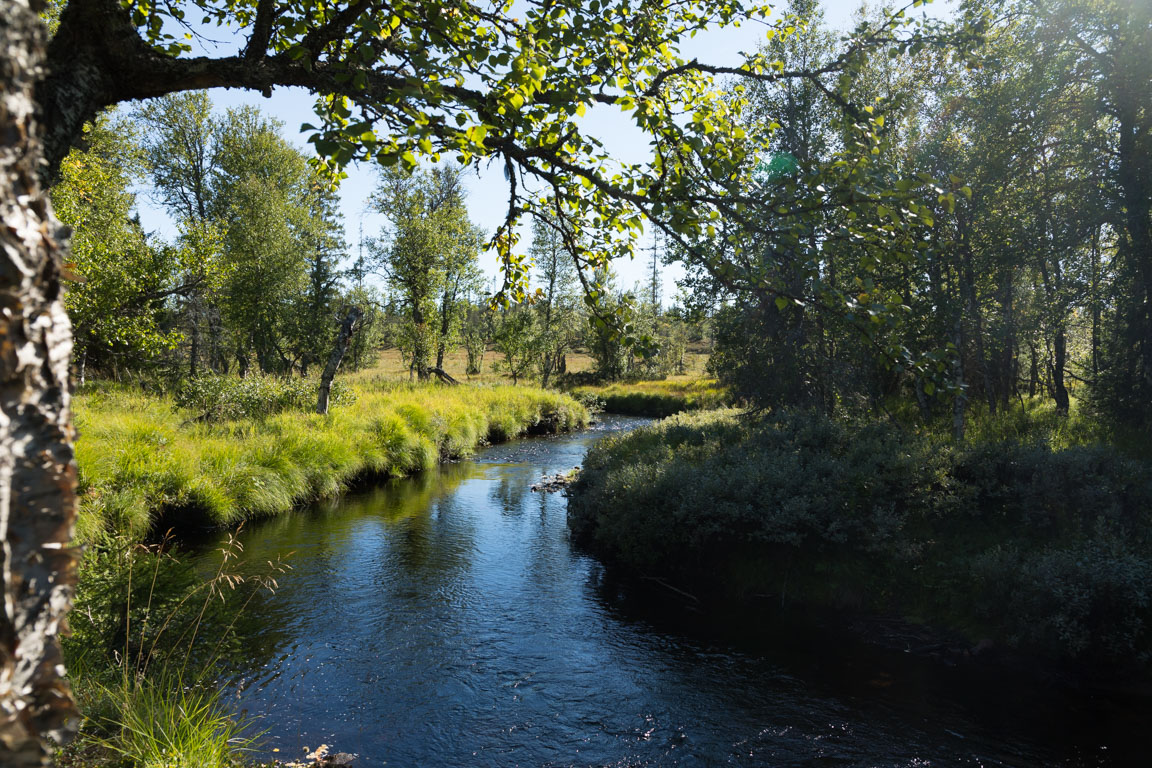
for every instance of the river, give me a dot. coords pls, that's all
(445, 620)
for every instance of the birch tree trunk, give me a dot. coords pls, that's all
(37, 473)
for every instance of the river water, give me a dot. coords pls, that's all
(446, 620)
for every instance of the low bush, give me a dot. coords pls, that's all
(228, 398)
(1041, 548)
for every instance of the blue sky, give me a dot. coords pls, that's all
(487, 189)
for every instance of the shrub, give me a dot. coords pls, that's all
(590, 400)
(1085, 599)
(228, 398)
(1041, 548)
(707, 483)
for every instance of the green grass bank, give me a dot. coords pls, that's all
(146, 464)
(1043, 549)
(654, 398)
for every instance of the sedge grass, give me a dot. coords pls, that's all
(144, 464)
(655, 398)
(161, 724)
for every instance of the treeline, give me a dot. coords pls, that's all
(259, 275)
(961, 244)
(253, 276)
(1030, 270)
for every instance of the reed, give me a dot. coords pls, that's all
(151, 638)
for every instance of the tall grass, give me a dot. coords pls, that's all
(163, 724)
(655, 398)
(149, 635)
(144, 464)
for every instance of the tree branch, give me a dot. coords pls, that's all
(261, 30)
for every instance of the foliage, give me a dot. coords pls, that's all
(605, 335)
(180, 146)
(1087, 598)
(263, 199)
(145, 466)
(671, 335)
(1041, 548)
(477, 334)
(1022, 275)
(556, 298)
(261, 234)
(372, 334)
(395, 84)
(229, 398)
(121, 277)
(794, 482)
(517, 338)
(179, 142)
(428, 255)
(704, 189)
(314, 315)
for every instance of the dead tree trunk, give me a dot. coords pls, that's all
(1059, 363)
(443, 376)
(420, 350)
(37, 472)
(343, 341)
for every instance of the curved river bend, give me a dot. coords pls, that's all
(445, 620)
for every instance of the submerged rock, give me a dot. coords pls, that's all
(559, 481)
(321, 758)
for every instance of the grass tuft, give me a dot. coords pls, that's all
(166, 725)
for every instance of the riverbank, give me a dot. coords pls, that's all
(654, 398)
(1013, 544)
(147, 465)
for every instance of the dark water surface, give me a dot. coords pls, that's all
(445, 620)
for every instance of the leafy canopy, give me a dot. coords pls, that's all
(119, 278)
(402, 80)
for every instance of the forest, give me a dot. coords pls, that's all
(259, 274)
(864, 340)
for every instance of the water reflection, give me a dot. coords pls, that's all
(445, 620)
(509, 485)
